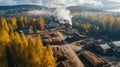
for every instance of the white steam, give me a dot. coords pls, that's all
(61, 14)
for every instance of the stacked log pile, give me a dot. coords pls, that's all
(91, 58)
(66, 57)
(52, 38)
(53, 41)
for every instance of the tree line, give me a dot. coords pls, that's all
(23, 22)
(18, 51)
(98, 25)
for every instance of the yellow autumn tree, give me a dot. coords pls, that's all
(14, 23)
(41, 23)
(49, 60)
(39, 56)
(4, 40)
(21, 24)
(24, 53)
(4, 36)
(10, 27)
(25, 20)
(3, 24)
(24, 40)
(31, 53)
(39, 50)
(14, 50)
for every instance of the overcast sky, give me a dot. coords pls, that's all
(106, 4)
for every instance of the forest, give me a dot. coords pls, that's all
(18, 51)
(98, 25)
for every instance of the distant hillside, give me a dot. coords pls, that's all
(19, 10)
(82, 9)
(20, 7)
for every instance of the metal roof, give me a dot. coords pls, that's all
(116, 43)
(105, 46)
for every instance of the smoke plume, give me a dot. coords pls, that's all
(63, 14)
(60, 13)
